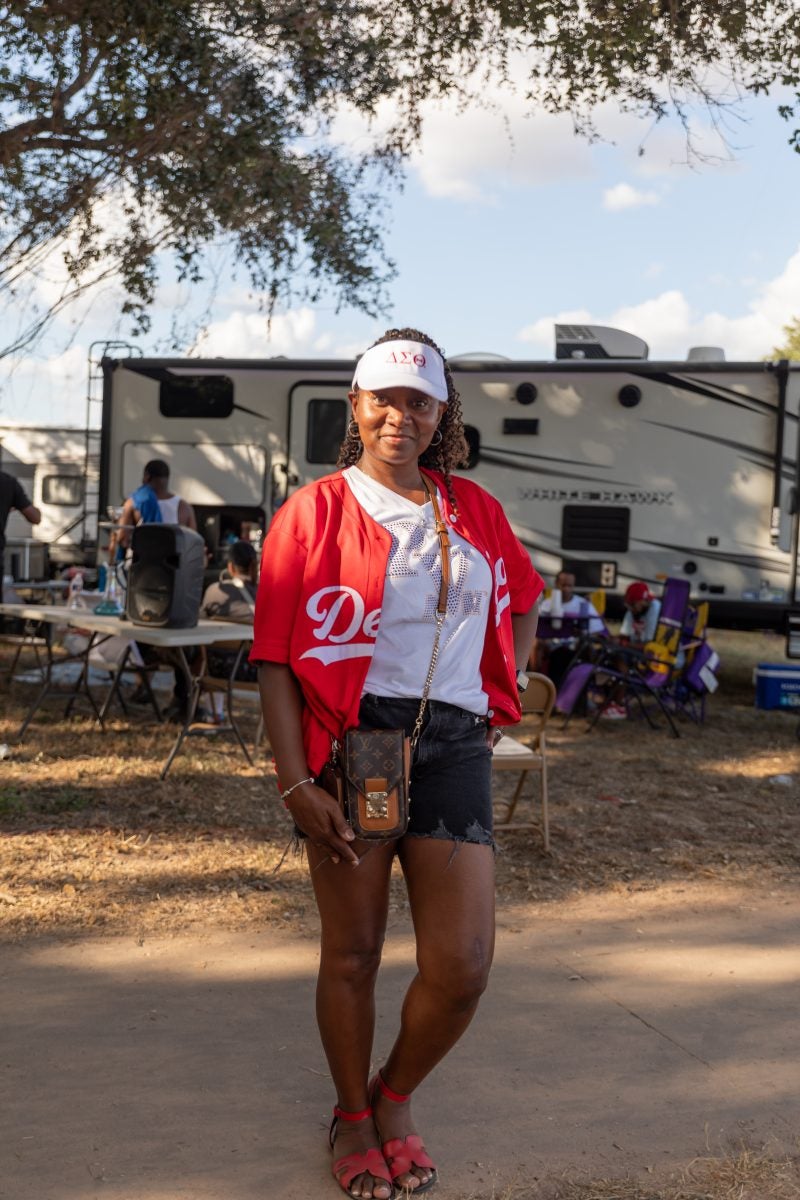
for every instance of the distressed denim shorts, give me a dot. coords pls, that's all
(451, 771)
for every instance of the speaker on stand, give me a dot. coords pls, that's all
(165, 577)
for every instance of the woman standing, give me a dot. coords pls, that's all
(344, 631)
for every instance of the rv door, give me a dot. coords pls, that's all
(318, 416)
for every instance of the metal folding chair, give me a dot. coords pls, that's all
(512, 755)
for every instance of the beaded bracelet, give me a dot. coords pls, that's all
(289, 791)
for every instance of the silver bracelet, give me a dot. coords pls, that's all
(289, 791)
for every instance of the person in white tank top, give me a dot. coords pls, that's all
(170, 510)
(174, 510)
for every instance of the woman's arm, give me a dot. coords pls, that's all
(313, 810)
(524, 626)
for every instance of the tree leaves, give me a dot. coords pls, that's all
(199, 122)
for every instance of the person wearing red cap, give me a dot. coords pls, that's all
(642, 610)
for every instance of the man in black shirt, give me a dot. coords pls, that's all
(12, 496)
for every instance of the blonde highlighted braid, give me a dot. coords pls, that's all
(452, 451)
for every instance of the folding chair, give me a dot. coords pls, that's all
(697, 673)
(598, 599)
(216, 685)
(31, 638)
(639, 675)
(118, 657)
(512, 755)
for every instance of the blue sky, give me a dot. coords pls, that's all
(504, 227)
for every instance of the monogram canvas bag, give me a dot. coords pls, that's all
(376, 765)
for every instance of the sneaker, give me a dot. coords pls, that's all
(614, 712)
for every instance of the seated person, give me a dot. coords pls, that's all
(573, 605)
(642, 610)
(555, 655)
(232, 598)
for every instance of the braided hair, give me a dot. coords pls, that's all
(452, 451)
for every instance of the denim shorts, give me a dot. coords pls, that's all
(451, 771)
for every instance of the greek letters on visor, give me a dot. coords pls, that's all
(402, 364)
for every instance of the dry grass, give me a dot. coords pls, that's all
(94, 842)
(747, 1173)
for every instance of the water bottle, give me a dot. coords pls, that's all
(109, 606)
(75, 589)
(556, 608)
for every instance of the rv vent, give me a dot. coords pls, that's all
(529, 425)
(597, 341)
(595, 527)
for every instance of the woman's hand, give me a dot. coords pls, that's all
(493, 735)
(322, 821)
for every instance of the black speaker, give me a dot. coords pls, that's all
(165, 579)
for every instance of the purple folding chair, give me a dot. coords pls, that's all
(640, 675)
(573, 687)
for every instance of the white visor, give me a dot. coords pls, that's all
(402, 364)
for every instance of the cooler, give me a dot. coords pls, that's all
(777, 685)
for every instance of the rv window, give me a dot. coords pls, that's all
(66, 490)
(196, 396)
(595, 527)
(473, 439)
(327, 425)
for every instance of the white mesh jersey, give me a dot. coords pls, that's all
(407, 624)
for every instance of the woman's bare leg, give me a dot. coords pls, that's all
(353, 905)
(451, 892)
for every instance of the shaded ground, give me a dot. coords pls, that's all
(629, 1047)
(92, 840)
(640, 1021)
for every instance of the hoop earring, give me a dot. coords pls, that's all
(352, 430)
(436, 440)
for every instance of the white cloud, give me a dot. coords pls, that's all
(49, 391)
(470, 156)
(471, 153)
(623, 196)
(295, 334)
(670, 326)
(249, 335)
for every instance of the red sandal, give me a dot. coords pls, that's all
(402, 1154)
(348, 1166)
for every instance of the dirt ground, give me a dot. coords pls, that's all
(94, 842)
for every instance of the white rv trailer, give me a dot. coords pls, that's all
(621, 468)
(52, 466)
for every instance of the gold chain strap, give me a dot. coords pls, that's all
(441, 607)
